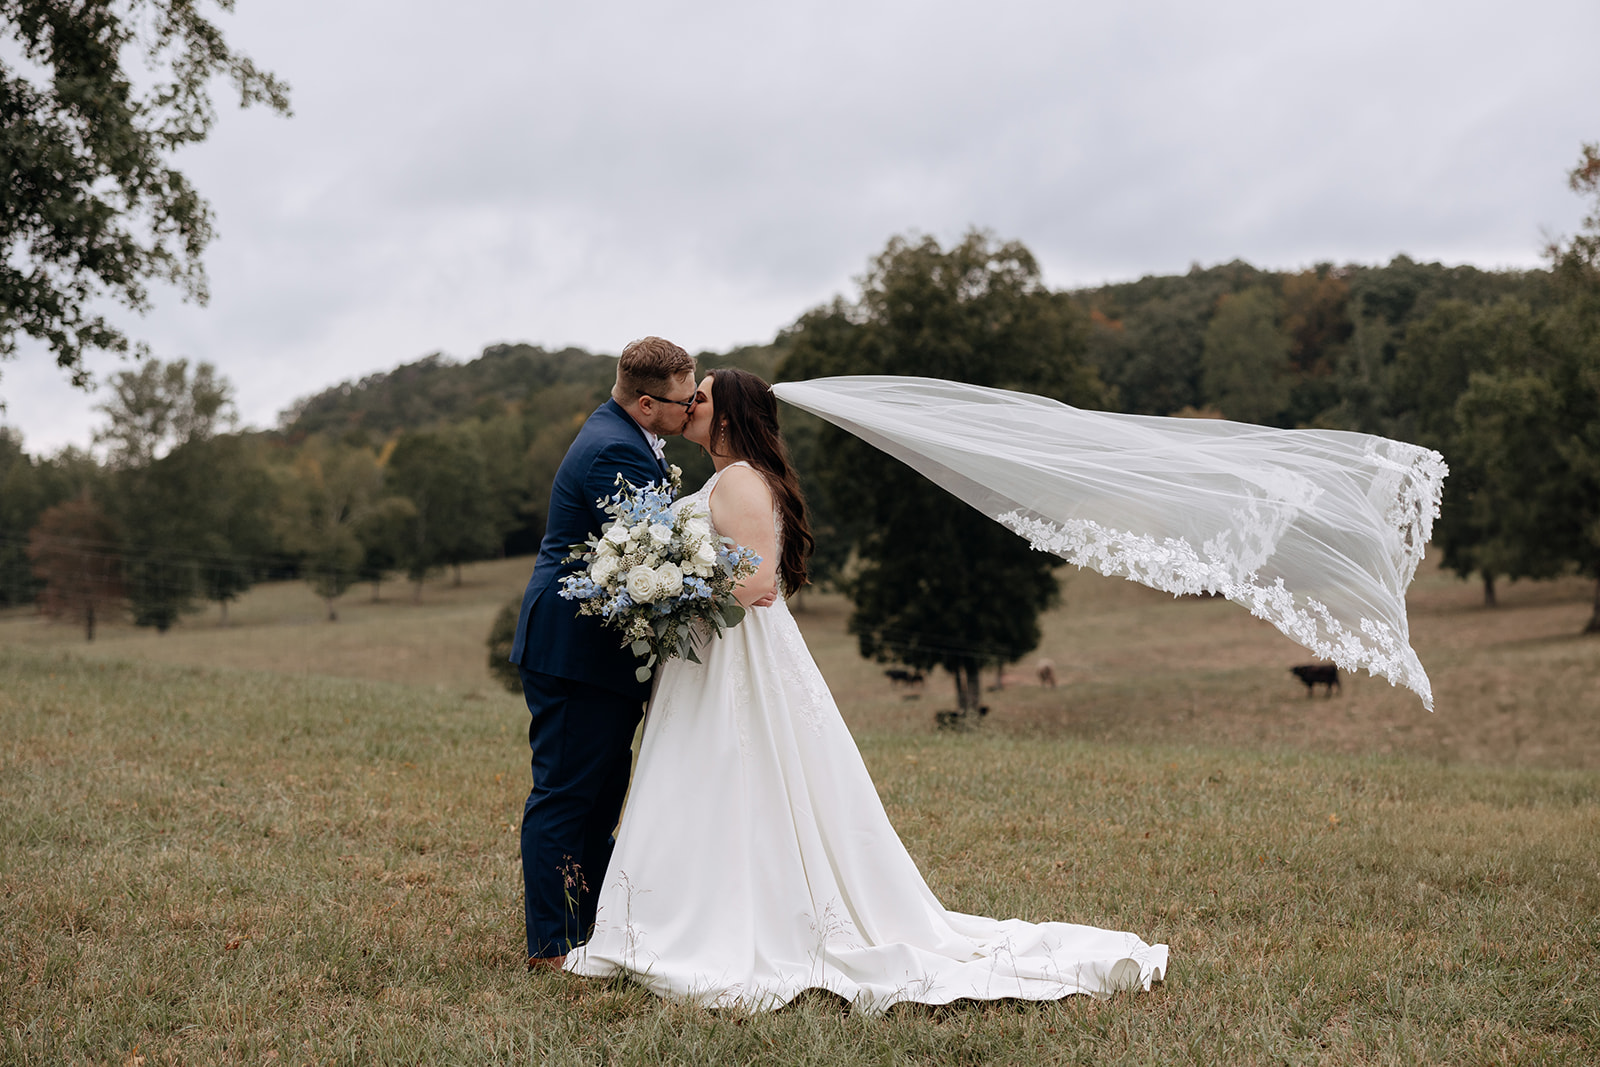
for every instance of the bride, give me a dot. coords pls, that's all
(754, 859)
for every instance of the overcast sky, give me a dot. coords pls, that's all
(464, 173)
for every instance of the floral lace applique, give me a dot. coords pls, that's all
(802, 682)
(1409, 478)
(739, 680)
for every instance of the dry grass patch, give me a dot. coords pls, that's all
(228, 866)
(283, 627)
(1517, 685)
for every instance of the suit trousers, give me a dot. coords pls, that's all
(581, 738)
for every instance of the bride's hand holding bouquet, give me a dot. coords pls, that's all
(655, 572)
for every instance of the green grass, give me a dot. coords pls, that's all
(259, 861)
(216, 866)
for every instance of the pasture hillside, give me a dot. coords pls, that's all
(1516, 685)
(287, 840)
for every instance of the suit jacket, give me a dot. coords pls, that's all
(552, 638)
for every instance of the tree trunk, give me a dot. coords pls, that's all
(1594, 619)
(969, 688)
(1488, 590)
(333, 616)
(88, 622)
(224, 605)
(458, 576)
(961, 690)
(375, 592)
(416, 591)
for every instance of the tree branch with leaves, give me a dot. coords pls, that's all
(93, 208)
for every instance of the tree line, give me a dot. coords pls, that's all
(436, 463)
(1497, 370)
(422, 468)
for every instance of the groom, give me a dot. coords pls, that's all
(577, 678)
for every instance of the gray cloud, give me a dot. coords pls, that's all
(467, 173)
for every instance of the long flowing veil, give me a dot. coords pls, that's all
(1317, 531)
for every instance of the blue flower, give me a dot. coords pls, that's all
(578, 587)
(617, 604)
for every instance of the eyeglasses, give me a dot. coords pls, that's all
(687, 405)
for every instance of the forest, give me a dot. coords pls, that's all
(437, 463)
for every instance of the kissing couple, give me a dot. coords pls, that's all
(754, 859)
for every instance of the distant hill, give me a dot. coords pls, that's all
(1340, 327)
(505, 378)
(1148, 337)
(436, 389)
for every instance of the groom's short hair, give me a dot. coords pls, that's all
(649, 365)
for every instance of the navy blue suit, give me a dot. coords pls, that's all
(583, 699)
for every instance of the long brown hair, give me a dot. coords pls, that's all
(746, 416)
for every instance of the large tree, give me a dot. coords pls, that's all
(28, 486)
(159, 406)
(21, 502)
(189, 505)
(1436, 362)
(235, 536)
(1531, 423)
(93, 209)
(935, 583)
(336, 494)
(443, 473)
(76, 558)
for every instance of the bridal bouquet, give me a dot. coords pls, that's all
(654, 572)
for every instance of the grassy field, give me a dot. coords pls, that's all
(291, 841)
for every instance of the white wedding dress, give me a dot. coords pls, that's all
(755, 859)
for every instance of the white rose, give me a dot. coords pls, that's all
(706, 554)
(698, 528)
(605, 548)
(642, 585)
(617, 534)
(669, 580)
(603, 569)
(637, 533)
(661, 533)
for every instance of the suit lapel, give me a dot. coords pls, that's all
(616, 410)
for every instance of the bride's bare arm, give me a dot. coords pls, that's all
(741, 508)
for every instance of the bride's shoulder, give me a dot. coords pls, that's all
(741, 484)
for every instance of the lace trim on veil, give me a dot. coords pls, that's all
(1317, 531)
(1413, 484)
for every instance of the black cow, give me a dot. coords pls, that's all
(1315, 674)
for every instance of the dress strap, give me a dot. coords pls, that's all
(711, 482)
